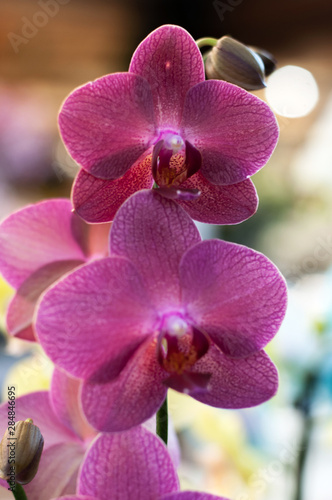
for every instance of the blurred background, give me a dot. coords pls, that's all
(283, 449)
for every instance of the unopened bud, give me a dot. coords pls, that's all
(20, 452)
(236, 63)
(269, 61)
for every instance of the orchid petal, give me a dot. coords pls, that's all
(153, 233)
(57, 472)
(36, 405)
(233, 294)
(64, 398)
(108, 124)
(171, 62)
(22, 307)
(234, 131)
(132, 465)
(236, 383)
(92, 321)
(130, 399)
(97, 200)
(220, 204)
(35, 236)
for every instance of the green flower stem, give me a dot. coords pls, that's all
(18, 492)
(203, 42)
(162, 422)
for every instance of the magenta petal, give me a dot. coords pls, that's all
(153, 233)
(233, 294)
(76, 497)
(179, 194)
(36, 405)
(130, 399)
(171, 62)
(97, 200)
(190, 495)
(234, 131)
(57, 472)
(91, 321)
(35, 236)
(107, 124)
(236, 383)
(220, 204)
(21, 309)
(132, 465)
(65, 402)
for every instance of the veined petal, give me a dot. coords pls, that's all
(220, 204)
(233, 294)
(92, 321)
(65, 402)
(153, 233)
(236, 383)
(35, 236)
(132, 465)
(97, 200)
(107, 124)
(171, 62)
(57, 472)
(36, 405)
(130, 399)
(234, 131)
(22, 307)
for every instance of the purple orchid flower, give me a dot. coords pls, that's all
(164, 310)
(161, 122)
(133, 465)
(66, 436)
(38, 245)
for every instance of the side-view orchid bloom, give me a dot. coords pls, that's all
(66, 434)
(39, 244)
(163, 123)
(164, 310)
(132, 465)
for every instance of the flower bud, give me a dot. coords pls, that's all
(236, 63)
(20, 452)
(269, 61)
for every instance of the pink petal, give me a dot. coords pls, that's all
(76, 497)
(233, 294)
(132, 465)
(153, 233)
(92, 321)
(234, 131)
(220, 204)
(130, 399)
(35, 236)
(97, 200)
(57, 472)
(191, 495)
(236, 383)
(21, 309)
(171, 62)
(65, 402)
(36, 405)
(108, 124)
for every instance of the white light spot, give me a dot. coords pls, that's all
(292, 91)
